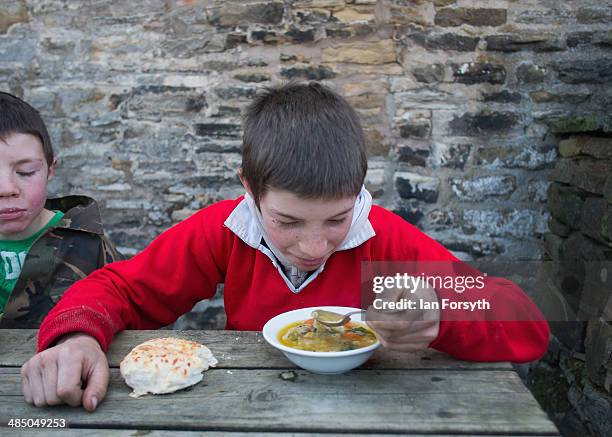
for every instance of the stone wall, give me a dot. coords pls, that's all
(143, 100)
(574, 381)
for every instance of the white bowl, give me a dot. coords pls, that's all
(327, 363)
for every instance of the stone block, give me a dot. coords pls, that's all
(479, 72)
(603, 38)
(558, 228)
(593, 407)
(375, 179)
(13, 12)
(587, 174)
(351, 15)
(504, 222)
(593, 214)
(410, 210)
(575, 125)
(480, 188)
(485, 122)
(376, 142)
(312, 16)
(584, 71)
(445, 41)
(450, 155)
(530, 156)
(414, 124)
(252, 77)
(594, 15)
(416, 186)
(597, 294)
(429, 73)
(597, 147)
(218, 130)
(565, 204)
(606, 225)
(521, 41)
(608, 189)
(311, 72)
(574, 39)
(552, 245)
(530, 73)
(412, 155)
(405, 13)
(537, 190)
(453, 17)
(239, 13)
(380, 52)
(503, 96)
(299, 36)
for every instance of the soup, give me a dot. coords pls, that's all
(310, 335)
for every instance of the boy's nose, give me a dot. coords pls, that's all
(8, 188)
(314, 247)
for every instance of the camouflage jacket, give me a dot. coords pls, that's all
(59, 257)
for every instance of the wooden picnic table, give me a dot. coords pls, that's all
(424, 393)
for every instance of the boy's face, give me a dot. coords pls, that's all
(306, 231)
(24, 175)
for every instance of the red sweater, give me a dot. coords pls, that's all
(184, 265)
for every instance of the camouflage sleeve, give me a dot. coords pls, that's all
(108, 253)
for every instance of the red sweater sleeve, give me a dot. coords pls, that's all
(179, 268)
(513, 329)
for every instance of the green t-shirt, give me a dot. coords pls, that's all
(12, 256)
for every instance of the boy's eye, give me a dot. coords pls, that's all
(337, 221)
(26, 173)
(288, 223)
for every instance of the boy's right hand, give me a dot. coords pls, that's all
(56, 375)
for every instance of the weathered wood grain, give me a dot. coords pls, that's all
(233, 349)
(174, 433)
(362, 401)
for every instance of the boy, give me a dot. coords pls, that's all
(45, 245)
(296, 239)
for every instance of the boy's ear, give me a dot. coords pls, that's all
(51, 172)
(244, 183)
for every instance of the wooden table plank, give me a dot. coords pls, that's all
(135, 433)
(363, 401)
(234, 350)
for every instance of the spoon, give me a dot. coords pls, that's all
(329, 318)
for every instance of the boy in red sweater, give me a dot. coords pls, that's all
(296, 239)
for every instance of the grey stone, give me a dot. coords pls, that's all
(416, 186)
(587, 174)
(445, 41)
(412, 155)
(597, 147)
(558, 228)
(450, 155)
(517, 42)
(537, 190)
(594, 15)
(252, 77)
(552, 245)
(484, 123)
(410, 210)
(429, 73)
(482, 187)
(238, 14)
(584, 71)
(13, 12)
(419, 128)
(574, 39)
(453, 17)
(565, 204)
(530, 73)
(598, 345)
(479, 72)
(308, 72)
(503, 96)
(504, 222)
(593, 213)
(299, 36)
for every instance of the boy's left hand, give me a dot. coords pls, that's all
(410, 329)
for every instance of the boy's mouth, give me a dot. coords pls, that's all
(11, 213)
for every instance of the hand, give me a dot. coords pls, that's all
(407, 330)
(55, 376)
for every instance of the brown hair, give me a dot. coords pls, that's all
(16, 116)
(303, 138)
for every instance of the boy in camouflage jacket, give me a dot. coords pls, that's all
(45, 244)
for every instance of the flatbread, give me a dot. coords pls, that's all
(165, 365)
